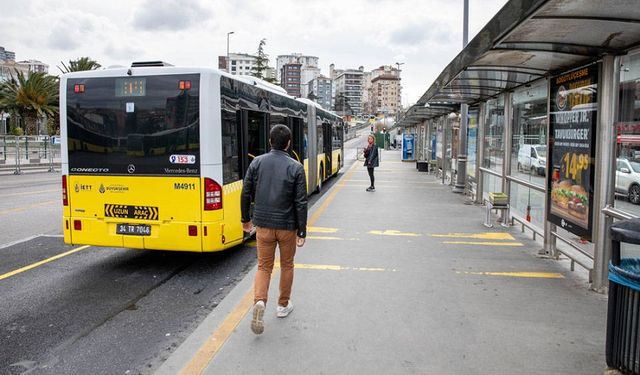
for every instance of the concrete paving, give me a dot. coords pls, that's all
(407, 280)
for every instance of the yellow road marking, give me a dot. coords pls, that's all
(483, 243)
(210, 348)
(478, 236)
(33, 192)
(394, 233)
(28, 207)
(537, 275)
(329, 267)
(251, 243)
(37, 264)
(216, 340)
(321, 230)
(324, 238)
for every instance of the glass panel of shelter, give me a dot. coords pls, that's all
(627, 127)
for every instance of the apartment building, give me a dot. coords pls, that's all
(348, 95)
(322, 89)
(385, 90)
(8, 65)
(35, 66)
(240, 64)
(309, 67)
(290, 78)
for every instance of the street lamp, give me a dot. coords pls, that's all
(461, 178)
(399, 103)
(229, 33)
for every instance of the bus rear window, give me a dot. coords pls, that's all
(134, 125)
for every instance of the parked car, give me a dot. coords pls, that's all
(628, 179)
(533, 159)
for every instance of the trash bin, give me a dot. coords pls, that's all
(623, 314)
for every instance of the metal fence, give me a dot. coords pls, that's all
(18, 153)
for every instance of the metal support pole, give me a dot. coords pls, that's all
(506, 142)
(604, 181)
(549, 239)
(445, 140)
(461, 177)
(229, 33)
(480, 152)
(465, 24)
(17, 143)
(51, 169)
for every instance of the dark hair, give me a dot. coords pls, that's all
(279, 136)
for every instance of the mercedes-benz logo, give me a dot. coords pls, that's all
(131, 168)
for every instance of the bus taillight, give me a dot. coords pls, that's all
(212, 195)
(65, 197)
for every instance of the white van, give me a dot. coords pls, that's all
(533, 159)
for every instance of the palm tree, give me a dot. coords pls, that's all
(80, 64)
(32, 97)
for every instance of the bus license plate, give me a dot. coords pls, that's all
(134, 229)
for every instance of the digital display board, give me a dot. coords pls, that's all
(131, 87)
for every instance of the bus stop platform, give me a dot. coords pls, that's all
(407, 280)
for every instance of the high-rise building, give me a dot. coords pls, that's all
(35, 66)
(322, 89)
(348, 96)
(243, 64)
(308, 70)
(240, 64)
(290, 78)
(385, 92)
(8, 64)
(367, 107)
(7, 55)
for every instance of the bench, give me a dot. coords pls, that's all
(498, 207)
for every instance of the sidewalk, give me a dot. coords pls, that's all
(407, 280)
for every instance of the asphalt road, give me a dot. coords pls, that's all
(99, 310)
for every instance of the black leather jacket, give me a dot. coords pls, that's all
(371, 156)
(277, 185)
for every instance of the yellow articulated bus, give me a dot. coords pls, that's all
(153, 155)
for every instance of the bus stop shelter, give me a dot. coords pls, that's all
(546, 45)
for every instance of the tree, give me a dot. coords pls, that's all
(262, 61)
(33, 97)
(312, 96)
(79, 64)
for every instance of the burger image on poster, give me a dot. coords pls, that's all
(570, 199)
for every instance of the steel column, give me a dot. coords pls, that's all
(605, 165)
(480, 152)
(506, 159)
(549, 228)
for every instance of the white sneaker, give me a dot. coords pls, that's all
(283, 312)
(257, 324)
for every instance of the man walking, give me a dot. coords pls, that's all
(276, 183)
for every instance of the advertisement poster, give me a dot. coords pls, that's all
(572, 136)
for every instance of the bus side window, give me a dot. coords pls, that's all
(230, 147)
(257, 134)
(296, 125)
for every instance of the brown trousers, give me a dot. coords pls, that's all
(267, 240)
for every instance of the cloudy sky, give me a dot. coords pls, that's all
(424, 34)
